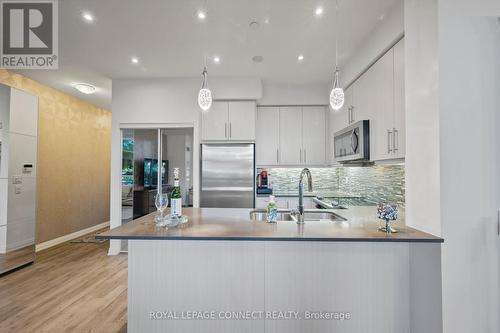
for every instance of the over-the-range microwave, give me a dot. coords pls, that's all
(352, 144)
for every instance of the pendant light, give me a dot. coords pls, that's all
(205, 95)
(337, 94)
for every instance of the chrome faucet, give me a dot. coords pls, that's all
(300, 208)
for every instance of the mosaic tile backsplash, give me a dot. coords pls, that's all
(381, 183)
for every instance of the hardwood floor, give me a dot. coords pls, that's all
(74, 287)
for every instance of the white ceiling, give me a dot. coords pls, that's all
(171, 41)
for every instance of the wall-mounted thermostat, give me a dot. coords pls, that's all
(27, 168)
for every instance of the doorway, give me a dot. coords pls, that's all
(143, 176)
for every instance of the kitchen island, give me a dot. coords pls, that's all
(226, 272)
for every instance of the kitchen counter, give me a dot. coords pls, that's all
(360, 225)
(222, 263)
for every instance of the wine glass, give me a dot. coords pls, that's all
(161, 203)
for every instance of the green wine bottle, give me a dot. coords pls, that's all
(176, 196)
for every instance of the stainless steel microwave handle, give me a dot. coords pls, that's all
(395, 140)
(354, 141)
(389, 149)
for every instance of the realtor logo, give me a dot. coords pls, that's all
(29, 34)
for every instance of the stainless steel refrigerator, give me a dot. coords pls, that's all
(227, 175)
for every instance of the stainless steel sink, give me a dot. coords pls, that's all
(309, 215)
(261, 215)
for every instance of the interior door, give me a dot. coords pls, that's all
(290, 135)
(313, 135)
(241, 121)
(267, 136)
(215, 122)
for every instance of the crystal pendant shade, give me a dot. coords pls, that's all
(337, 94)
(205, 95)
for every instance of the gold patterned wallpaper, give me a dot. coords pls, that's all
(74, 152)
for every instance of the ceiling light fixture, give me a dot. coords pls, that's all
(88, 17)
(205, 95)
(318, 11)
(85, 88)
(201, 15)
(134, 60)
(300, 57)
(337, 94)
(217, 59)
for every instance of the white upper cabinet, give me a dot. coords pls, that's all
(290, 133)
(242, 121)
(313, 135)
(378, 96)
(399, 101)
(214, 122)
(233, 121)
(380, 91)
(267, 137)
(23, 113)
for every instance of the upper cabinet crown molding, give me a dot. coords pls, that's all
(229, 121)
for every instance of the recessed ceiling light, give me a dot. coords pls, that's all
(217, 59)
(88, 17)
(134, 60)
(300, 57)
(318, 11)
(201, 15)
(85, 88)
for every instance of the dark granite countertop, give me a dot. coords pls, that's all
(234, 224)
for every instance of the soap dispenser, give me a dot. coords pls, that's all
(272, 210)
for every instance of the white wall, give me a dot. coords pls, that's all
(164, 103)
(422, 116)
(469, 75)
(295, 94)
(390, 30)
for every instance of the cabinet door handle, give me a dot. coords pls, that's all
(277, 156)
(395, 141)
(305, 156)
(225, 130)
(352, 113)
(498, 222)
(230, 132)
(389, 150)
(301, 156)
(348, 116)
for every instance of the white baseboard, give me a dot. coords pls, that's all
(65, 238)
